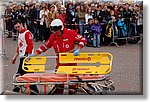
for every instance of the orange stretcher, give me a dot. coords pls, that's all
(91, 79)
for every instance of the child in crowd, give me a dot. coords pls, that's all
(96, 29)
(88, 32)
(122, 26)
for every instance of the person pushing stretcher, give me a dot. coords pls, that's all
(62, 40)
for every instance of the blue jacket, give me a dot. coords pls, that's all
(123, 27)
(96, 28)
(121, 24)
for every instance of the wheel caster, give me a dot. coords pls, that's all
(104, 92)
(112, 88)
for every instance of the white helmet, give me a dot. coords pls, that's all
(57, 24)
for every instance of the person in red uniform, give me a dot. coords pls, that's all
(62, 40)
(25, 48)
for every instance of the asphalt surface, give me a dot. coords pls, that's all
(126, 73)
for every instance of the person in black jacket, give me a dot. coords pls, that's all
(31, 24)
(35, 14)
(127, 14)
(70, 16)
(15, 14)
(88, 32)
(8, 21)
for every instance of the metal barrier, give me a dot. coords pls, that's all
(126, 38)
(2, 50)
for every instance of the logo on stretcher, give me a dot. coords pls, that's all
(83, 59)
(75, 69)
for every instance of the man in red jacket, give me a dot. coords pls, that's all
(62, 40)
(25, 48)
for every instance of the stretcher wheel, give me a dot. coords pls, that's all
(112, 88)
(104, 92)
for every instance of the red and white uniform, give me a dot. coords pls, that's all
(63, 43)
(25, 44)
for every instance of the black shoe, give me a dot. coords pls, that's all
(34, 89)
(16, 89)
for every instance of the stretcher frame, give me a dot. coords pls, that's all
(99, 85)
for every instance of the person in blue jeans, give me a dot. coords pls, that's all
(122, 26)
(96, 29)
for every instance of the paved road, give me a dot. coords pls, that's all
(126, 73)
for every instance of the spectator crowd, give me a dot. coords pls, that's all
(98, 22)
